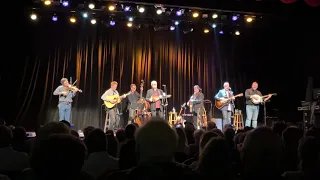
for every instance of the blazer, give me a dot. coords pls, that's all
(150, 93)
(223, 93)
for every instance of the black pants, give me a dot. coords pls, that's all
(157, 112)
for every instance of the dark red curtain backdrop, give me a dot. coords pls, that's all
(96, 55)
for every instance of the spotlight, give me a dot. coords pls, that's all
(141, 9)
(33, 16)
(73, 20)
(249, 19)
(129, 24)
(172, 28)
(237, 33)
(47, 2)
(91, 6)
(176, 23)
(195, 14)
(159, 11)
(214, 16)
(220, 32)
(54, 18)
(65, 3)
(206, 30)
(179, 13)
(93, 21)
(85, 15)
(234, 18)
(130, 19)
(111, 8)
(127, 8)
(214, 25)
(112, 23)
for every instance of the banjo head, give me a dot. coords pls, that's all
(256, 99)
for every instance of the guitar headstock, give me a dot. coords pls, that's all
(274, 94)
(240, 95)
(183, 105)
(142, 83)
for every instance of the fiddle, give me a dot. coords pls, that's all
(73, 89)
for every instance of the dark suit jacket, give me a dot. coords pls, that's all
(197, 102)
(150, 93)
(133, 98)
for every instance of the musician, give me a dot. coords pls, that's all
(228, 109)
(65, 99)
(133, 98)
(196, 100)
(155, 103)
(113, 120)
(252, 110)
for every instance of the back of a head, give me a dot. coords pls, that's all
(61, 156)
(96, 141)
(52, 128)
(278, 127)
(156, 141)
(214, 158)
(19, 134)
(182, 139)
(218, 131)
(86, 130)
(291, 136)
(309, 152)
(197, 135)
(261, 151)
(66, 123)
(5, 136)
(121, 135)
(229, 134)
(205, 138)
(130, 130)
(211, 125)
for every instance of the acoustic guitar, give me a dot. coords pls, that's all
(225, 101)
(256, 99)
(179, 117)
(115, 99)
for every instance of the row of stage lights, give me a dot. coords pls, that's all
(130, 23)
(159, 10)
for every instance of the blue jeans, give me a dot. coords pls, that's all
(64, 111)
(252, 115)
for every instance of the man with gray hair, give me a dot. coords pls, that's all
(65, 99)
(154, 96)
(228, 109)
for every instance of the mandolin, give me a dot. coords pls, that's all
(225, 101)
(157, 98)
(115, 99)
(256, 99)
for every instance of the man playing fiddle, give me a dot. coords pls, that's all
(66, 94)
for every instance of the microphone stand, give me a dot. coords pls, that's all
(265, 112)
(164, 103)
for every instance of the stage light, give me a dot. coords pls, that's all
(127, 8)
(33, 16)
(85, 15)
(249, 19)
(206, 31)
(214, 16)
(141, 9)
(129, 24)
(237, 33)
(176, 23)
(214, 25)
(112, 23)
(91, 6)
(65, 3)
(220, 32)
(47, 2)
(179, 13)
(172, 28)
(73, 19)
(159, 11)
(234, 18)
(130, 19)
(195, 14)
(54, 18)
(93, 21)
(111, 8)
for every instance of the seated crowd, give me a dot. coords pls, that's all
(157, 151)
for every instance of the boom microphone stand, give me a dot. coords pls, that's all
(164, 102)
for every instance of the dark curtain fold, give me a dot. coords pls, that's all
(95, 56)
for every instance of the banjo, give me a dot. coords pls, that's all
(256, 99)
